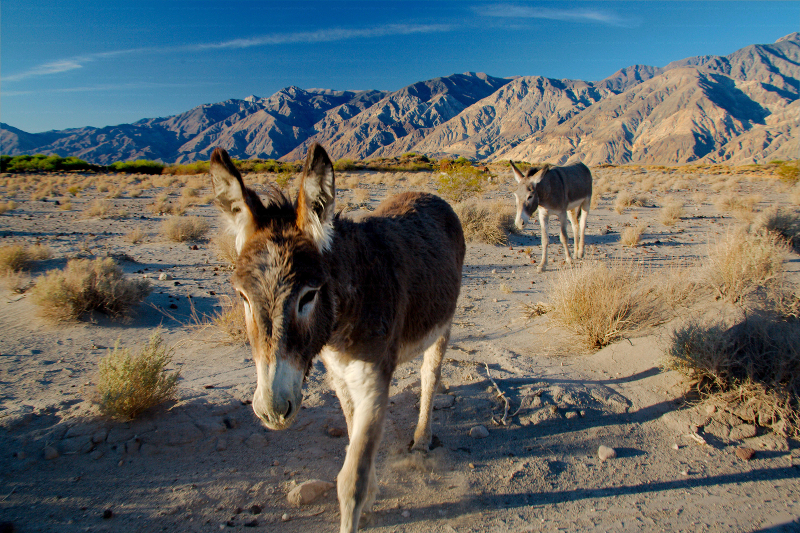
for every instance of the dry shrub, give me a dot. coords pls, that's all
(225, 326)
(484, 222)
(129, 385)
(66, 205)
(99, 209)
(671, 213)
(224, 245)
(531, 311)
(603, 303)
(743, 261)
(181, 229)
(86, 285)
(15, 257)
(360, 196)
(631, 235)
(741, 207)
(135, 236)
(699, 197)
(625, 199)
(7, 206)
(781, 222)
(751, 368)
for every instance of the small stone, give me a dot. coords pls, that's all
(472, 466)
(193, 247)
(251, 523)
(335, 432)
(99, 436)
(22, 455)
(406, 513)
(97, 454)
(222, 445)
(285, 517)
(745, 454)
(255, 509)
(479, 432)
(569, 415)
(164, 276)
(50, 453)
(108, 513)
(173, 306)
(443, 401)
(676, 446)
(604, 453)
(308, 491)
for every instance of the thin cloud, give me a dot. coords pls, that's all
(102, 88)
(584, 15)
(329, 35)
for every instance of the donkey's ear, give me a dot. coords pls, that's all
(315, 200)
(233, 198)
(517, 174)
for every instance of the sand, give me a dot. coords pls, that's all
(204, 463)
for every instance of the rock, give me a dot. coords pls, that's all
(251, 523)
(443, 401)
(285, 517)
(308, 491)
(745, 454)
(97, 454)
(164, 276)
(717, 429)
(108, 513)
(569, 415)
(256, 441)
(255, 509)
(604, 453)
(100, 436)
(768, 441)
(335, 432)
(21, 455)
(222, 445)
(544, 414)
(743, 431)
(406, 513)
(133, 445)
(479, 432)
(50, 453)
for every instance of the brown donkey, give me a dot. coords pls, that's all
(366, 296)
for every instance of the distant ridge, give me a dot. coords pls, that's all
(740, 108)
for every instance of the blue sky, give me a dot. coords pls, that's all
(82, 63)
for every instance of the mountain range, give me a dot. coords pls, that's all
(737, 109)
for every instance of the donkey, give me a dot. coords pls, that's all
(365, 295)
(560, 190)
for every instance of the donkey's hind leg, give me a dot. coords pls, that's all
(562, 219)
(431, 375)
(584, 209)
(572, 214)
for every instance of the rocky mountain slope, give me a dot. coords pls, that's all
(739, 108)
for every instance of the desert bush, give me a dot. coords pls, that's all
(135, 236)
(361, 196)
(15, 257)
(140, 166)
(181, 229)
(752, 367)
(742, 261)
(85, 286)
(781, 222)
(671, 213)
(43, 163)
(631, 235)
(199, 167)
(788, 171)
(485, 222)
(7, 206)
(128, 385)
(603, 303)
(626, 199)
(100, 209)
(741, 207)
(460, 183)
(224, 245)
(224, 326)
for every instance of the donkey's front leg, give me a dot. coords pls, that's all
(431, 376)
(543, 218)
(357, 484)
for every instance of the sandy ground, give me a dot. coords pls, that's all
(203, 463)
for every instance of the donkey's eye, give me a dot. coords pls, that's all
(307, 297)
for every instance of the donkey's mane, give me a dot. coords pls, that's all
(272, 206)
(539, 168)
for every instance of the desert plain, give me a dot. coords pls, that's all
(547, 400)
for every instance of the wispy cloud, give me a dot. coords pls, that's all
(590, 15)
(327, 35)
(102, 88)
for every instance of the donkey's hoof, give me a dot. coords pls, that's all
(541, 268)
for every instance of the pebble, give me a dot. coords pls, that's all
(479, 432)
(22, 455)
(745, 454)
(97, 454)
(164, 276)
(675, 446)
(406, 514)
(251, 523)
(308, 491)
(335, 432)
(50, 453)
(443, 401)
(108, 513)
(604, 453)
(222, 445)
(100, 436)
(285, 517)
(255, 509)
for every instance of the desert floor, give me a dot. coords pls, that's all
(204, 463)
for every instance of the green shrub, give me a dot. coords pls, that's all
(198, 167)
(129, 385)
(789, 171)
(85, 286)
(43, 163)
(460, 183)
(140, 166)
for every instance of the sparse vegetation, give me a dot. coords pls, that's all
(181, 229)
(224, 245)
(485, 222)
(128, 385)
(15, 257)
(671, 213)
(43, 163)
(5, 207)
(85, 286)
(631, 235)
(460, 183)
(225, 326)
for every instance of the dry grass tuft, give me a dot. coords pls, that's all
(103, 209)
(603, 303)
(782, 222)
(224, 245)
(531, 311)
(181, 229)
(751, 368)
(625, 199)
(15, 257)
(743, 261)
(7, 206)
(225, 326)
(129, 385)
(631, 235)
(485, 222)
(136, 235)
(85, 286)
(671, 213)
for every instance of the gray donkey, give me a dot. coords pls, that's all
(559, 190)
